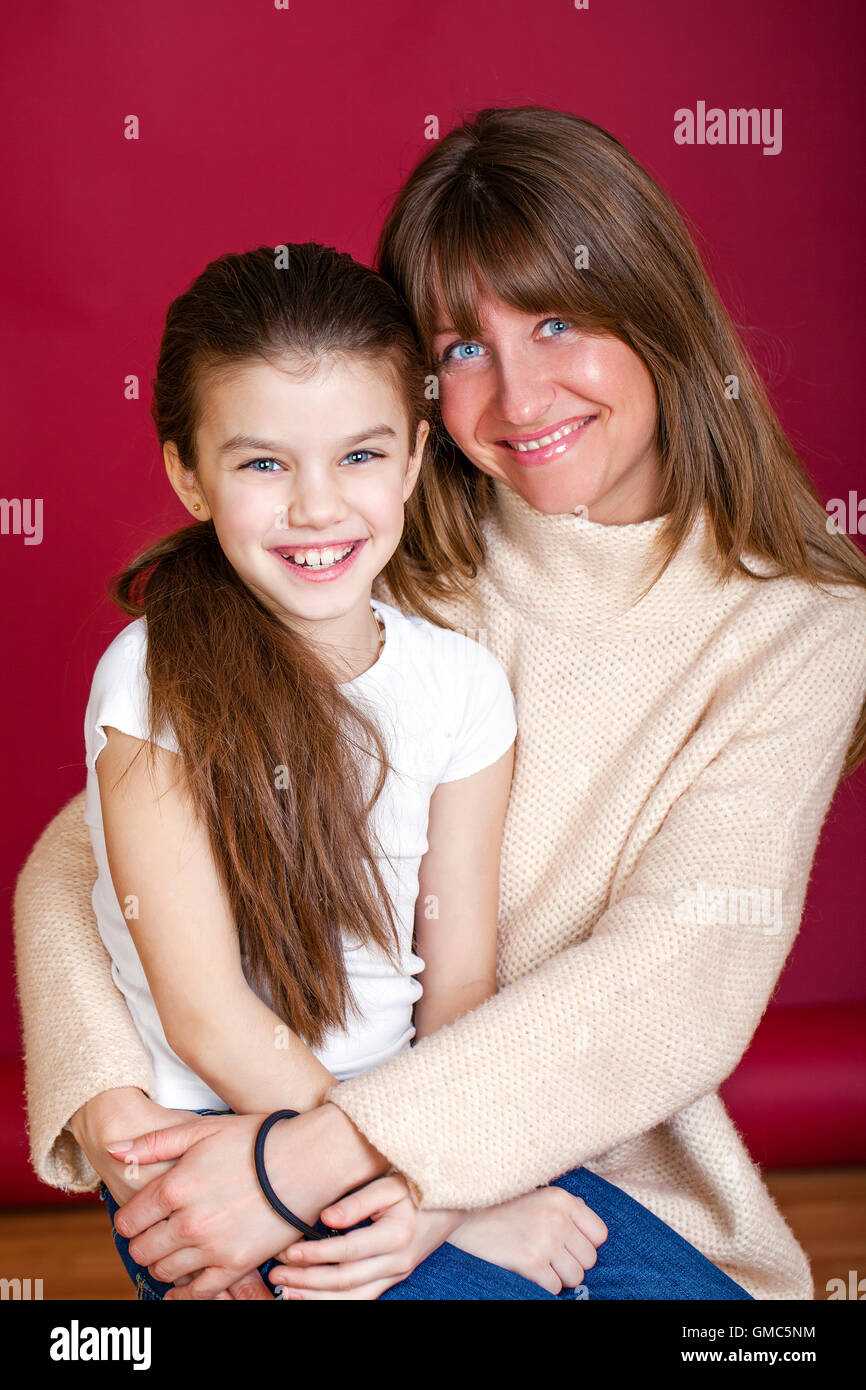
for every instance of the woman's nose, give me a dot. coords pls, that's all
(522, 396)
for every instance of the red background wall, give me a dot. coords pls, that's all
(261, 125)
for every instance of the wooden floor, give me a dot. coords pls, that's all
(73, 1252)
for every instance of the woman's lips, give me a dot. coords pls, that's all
(529, 458)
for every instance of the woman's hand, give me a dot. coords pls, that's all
(208, 1213)
(127, 1110)
(548, 1236)
(369, 1261)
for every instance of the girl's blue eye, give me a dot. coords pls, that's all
(252, 465)
(357, 454)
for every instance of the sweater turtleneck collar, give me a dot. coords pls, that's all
(563, 569)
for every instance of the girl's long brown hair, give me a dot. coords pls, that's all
(271, 748)
(504, 203)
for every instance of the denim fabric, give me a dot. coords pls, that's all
(642, 1258)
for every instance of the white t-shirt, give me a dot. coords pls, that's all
(446, 710)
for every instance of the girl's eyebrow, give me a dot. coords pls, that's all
(247, 441)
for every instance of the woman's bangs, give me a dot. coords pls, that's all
(467, 262)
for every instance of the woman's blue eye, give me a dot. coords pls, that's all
(473, 348)
(252, 465)
(563, 322)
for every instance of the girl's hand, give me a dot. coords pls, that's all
(369, 1261)
(548, 1236)
(249, 1286)
(116, 1114)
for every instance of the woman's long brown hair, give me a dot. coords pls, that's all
(271, 748)
(503, 203)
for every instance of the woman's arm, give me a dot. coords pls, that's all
(616, 1034)
(610, 1036)
(186, 938)
(79, 1037)
(457, 908)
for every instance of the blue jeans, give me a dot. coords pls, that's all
(642, 1258)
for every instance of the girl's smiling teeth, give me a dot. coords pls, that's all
(317, 557)
(529, 443)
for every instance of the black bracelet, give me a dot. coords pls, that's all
(265, 1184)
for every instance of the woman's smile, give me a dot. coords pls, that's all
(546, 444)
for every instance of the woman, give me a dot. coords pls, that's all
(680, 743)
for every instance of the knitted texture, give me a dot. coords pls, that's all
(79, 1037)
(675, 761)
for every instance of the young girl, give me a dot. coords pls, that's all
(318, 814)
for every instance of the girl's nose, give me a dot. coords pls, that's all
(314, 502)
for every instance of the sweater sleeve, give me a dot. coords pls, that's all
(79, 1037)
(618, 1033)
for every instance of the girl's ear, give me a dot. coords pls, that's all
(413, 467)
(184, 482)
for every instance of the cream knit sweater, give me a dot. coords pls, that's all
(675, 761)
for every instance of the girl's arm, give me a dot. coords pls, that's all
(185, 935)
(457, 907)
(455, 932)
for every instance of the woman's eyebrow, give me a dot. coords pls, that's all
(450, 329)
(247, 441)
